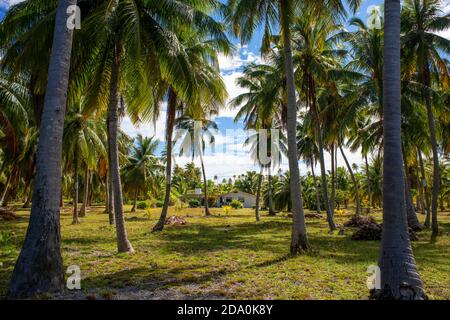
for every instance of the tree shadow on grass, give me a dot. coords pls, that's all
(152, 280)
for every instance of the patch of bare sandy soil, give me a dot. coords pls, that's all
(148, 291)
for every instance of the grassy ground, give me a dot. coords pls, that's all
(222, 257)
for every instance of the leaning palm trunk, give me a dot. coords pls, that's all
(258, 196)
(315, 185)
(355, 182)
(205, 182)
(425, 189)
(86, 193)
(39, 267)
(171, 113)
(328, 205)
(399, 277)
(299, 240)
(5, 190)
(123, 245)
(425, 77)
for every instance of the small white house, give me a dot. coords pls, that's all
(248, 200)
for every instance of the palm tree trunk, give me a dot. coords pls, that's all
(421, 198)
(171, 113)
(311, 161)
(5, 190)
(205, 182)
(133, 209)
(425, 188)
(39, 267)
(85, 194)
(106, 195)
(323, 173)
(28, 191)
(269, 193)
(76, 184)
(411, 215)
(355, 183)
(399, 277)
(369, 195)
(299, 240)
(425, 77)
(258, 195)
(333, 179)
(111, 214)
(123, 245)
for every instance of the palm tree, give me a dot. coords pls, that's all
(420, 22)
(200, 86)
(245, 16)
(192, 131)
(142, 165)
(14, 123)
(399, 277)
(39, 267)
(82, 145)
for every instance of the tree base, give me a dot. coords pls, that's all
(405, 292)
(300, 245)
(158, 227)
(126, 248)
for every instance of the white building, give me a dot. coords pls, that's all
(248, 200)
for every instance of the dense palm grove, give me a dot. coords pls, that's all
(326, 89)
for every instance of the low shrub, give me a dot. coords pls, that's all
(194, 203)
(142, 205)
(236, 204)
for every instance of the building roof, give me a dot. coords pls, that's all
(236, 192)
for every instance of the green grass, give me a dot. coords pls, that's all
(223, 257)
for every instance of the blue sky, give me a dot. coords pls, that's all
(221, 163)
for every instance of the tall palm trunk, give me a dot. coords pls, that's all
(39, 267)
(270, 192)
(136, 191)
(369, 195)
(311, 161)
(420, 199)
(399, 277)
(171, 113)
(425, 77)
(85, 194)
(106, 194)
(27, 201)
(425, 188)
(6, 189)
(123, 245)
(299, 240)
(76, 185)
(323, 173)
(411, 215)
(355, 182)
(111, 214)
(205, 183)
(333, 179)
(258, 195)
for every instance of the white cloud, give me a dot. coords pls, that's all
(8, 3)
